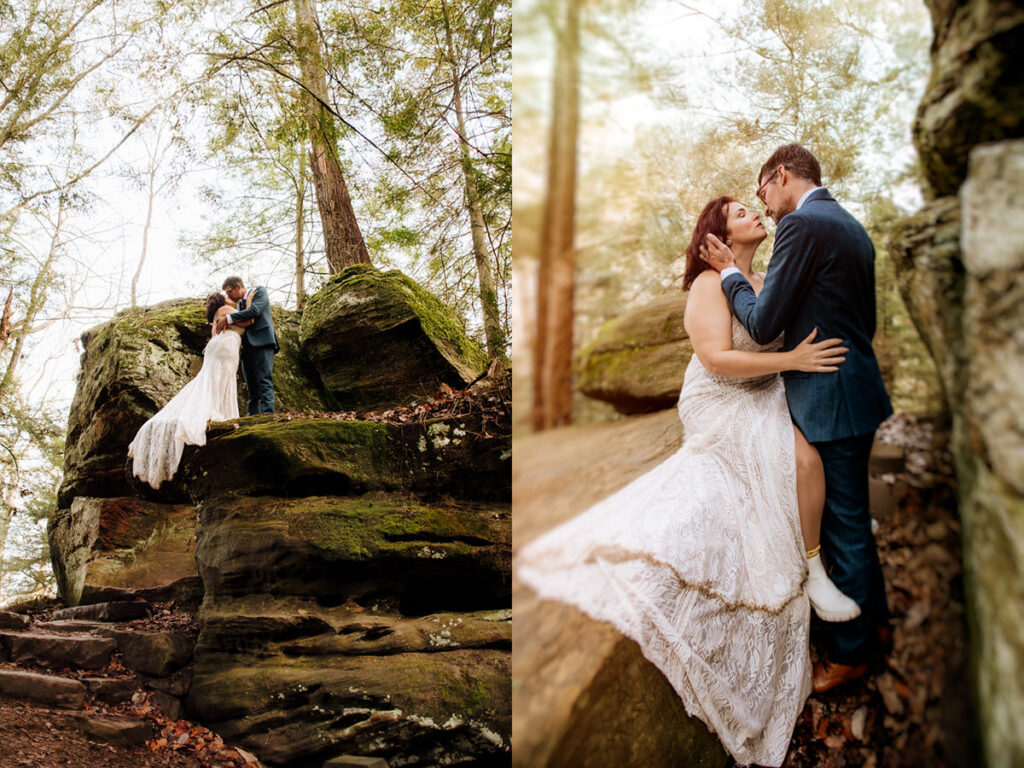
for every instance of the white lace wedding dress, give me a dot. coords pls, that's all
(702, 563)
(211, 396)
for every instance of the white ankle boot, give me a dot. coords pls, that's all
(828, 602)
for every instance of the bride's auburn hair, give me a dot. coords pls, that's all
(713, 219)
(214, 302)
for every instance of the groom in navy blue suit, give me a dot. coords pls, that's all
(259, 343)
(822, 276)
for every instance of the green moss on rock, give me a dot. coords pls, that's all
(134, 364)
(453, 707)
(379, 340)
(637, 362)
(260, 455)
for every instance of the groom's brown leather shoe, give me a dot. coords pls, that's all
(827, 675)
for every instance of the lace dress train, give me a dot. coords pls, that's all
(211, 395)
(701, 562)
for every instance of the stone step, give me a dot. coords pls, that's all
(56, 650)
(356, 761)
(186, 590)
(111, 689)
(10, 620)
(158, 654)
(108, 611)
(886, 459)
(71, 626)
(46, 689)
(116, 730)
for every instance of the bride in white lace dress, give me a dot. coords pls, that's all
(211, 396)
(704, 561)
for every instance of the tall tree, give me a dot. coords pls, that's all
(445, 113)
(258, 213)
(343, 240)
(552, 403)
(493, 330)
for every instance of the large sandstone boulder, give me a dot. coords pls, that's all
(373, 624)
(960, 265)
(354, 575)
(968, 308)
(133, 365)
(582, 693)
(357, 587)
(974, 94)
(121, 542)
(379, 340)
(637, 361)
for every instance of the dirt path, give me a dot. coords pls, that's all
(40, 737)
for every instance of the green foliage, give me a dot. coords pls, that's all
(839, 77)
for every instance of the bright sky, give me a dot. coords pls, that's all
(663, 32)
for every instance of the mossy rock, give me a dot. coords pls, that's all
(637, 361)
(379, 340)
(296, 383)
(133, 365)
(424, 708)
(926, 255)
(261, 455)
(421, 556)
(975, 93)
(130, 367)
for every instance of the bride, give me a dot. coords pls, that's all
(710, 560)
(211, 396)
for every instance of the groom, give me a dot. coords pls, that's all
(259, 342)
(822, 275)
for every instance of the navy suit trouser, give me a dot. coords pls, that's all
(258, 372)
(850, 548)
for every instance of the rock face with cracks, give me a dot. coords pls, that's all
(354, 576)
(960, 265)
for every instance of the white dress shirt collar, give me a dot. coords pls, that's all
(804, 197)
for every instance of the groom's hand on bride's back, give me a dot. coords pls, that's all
(716, 253)
(220, 323)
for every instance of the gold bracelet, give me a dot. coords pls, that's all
(812, 552)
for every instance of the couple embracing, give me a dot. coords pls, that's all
(241, 328)
(712, 561)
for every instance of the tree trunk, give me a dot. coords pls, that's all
(342, 239)
(493, 329)
(145, 234)
(10, 495)
(36, 301)
(5, 322)
(552, 390)
(300, 262)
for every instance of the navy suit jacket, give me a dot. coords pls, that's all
(260, 333)
(821, 275)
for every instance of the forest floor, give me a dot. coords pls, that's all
(914, 708)
(36, 736)
(33, 735)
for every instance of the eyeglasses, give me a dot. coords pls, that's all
(760, 190)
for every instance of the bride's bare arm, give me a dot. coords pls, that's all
(708, 322)
(227, 310)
